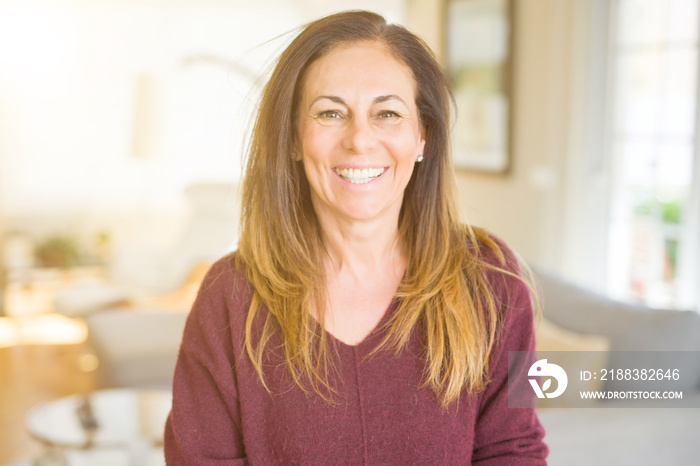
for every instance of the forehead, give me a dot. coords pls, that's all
(354, 69)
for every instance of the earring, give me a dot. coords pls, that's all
(294, 156)
(419, 159)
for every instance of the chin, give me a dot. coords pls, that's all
(364, 213)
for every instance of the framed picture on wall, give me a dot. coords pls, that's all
(478, 57)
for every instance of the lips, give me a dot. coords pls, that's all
(359, 175)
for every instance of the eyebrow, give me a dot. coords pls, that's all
(377, 100)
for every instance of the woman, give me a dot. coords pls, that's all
(358, 322)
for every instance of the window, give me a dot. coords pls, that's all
(652, 137)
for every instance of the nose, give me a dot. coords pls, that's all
(359, 136)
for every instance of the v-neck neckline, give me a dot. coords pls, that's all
(377, 330)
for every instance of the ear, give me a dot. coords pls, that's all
(296, 150)
(421, 141)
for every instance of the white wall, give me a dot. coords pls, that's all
(72, 71)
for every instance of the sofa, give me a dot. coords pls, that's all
(135, 347)
(611, 434)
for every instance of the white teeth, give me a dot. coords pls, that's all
(359, 176)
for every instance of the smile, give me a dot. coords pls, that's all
(359, 176)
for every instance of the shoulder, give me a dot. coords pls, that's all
(226, 276)
(223, 297)
(505, 274)
(493, 252)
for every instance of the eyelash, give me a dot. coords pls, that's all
(389, 114)
(334, 114)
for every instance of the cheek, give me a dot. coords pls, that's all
(316, 144)
(406, 146)
(316, 156)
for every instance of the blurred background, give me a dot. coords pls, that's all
(122, 133)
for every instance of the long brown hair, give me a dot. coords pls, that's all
(444, 287)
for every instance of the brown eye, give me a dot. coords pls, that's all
(387, 114)
(329, 114)
(387, 118)
(330, 117)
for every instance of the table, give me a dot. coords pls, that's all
(130, 421)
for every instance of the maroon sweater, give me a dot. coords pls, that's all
(222, 415)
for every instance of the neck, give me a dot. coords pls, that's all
(363, 249)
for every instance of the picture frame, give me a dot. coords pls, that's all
(478, 58)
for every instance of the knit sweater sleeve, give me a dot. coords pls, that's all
(204, 424)
(504, 435)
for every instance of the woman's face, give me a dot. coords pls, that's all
(359, 133)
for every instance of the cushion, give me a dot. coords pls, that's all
(575, 352)
(552, 337)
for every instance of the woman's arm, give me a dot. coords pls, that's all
(204, 425)
(503, 435)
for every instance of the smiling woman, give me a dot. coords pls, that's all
(358, 322)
